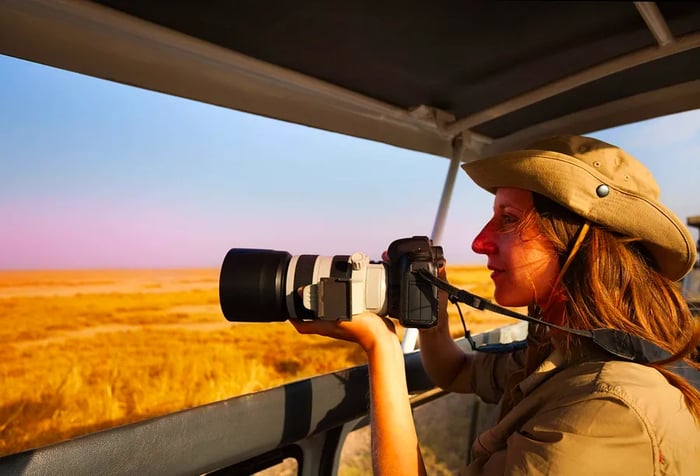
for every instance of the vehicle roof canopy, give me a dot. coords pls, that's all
(409, 73)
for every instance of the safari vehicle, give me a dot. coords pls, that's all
(457, 80)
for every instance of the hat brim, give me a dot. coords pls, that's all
(573, 184)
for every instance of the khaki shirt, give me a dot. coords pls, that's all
(594, 418)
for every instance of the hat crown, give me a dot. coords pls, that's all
(615, 167)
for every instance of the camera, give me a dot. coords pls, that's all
(257, 285)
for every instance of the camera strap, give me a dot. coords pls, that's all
(621, 344)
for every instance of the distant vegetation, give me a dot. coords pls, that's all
(88, 350)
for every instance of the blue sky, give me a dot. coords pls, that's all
(95, 174)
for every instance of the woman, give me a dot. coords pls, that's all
(579, 236)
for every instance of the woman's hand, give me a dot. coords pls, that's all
(443, 297)
(365, 329)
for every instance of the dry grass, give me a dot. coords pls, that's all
(87, 350)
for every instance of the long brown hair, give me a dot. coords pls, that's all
(611, 281)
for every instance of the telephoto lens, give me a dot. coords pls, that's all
(263, 286)
(252, 285)
(257, 285)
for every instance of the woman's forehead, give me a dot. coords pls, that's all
(513, 197)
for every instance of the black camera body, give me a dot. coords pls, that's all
(412, 300)
(263, 285)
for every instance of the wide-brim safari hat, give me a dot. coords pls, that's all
(600, 182)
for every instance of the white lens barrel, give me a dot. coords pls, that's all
(376, 289)
(368, 283)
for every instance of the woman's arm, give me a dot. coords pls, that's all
(394, 441)
(448, 366)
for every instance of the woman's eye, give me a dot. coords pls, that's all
(508, 219)
(509, 223)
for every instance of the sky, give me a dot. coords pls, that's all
(95, 174)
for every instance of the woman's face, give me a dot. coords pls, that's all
(523, 262)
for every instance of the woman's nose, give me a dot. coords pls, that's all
(484, 243)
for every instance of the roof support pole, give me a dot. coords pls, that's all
(411, 335)
(443, 207)
(655, 21)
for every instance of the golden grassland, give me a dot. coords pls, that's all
(87, 350)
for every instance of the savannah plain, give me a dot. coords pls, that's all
(88, 350)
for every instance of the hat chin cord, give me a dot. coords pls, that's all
(580, 235)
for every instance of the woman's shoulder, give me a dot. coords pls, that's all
(614, 377)
(631, 398)
(641, 388)
(633, 383)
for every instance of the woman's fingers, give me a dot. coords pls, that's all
(364, 329)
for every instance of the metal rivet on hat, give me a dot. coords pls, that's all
(602, 191)
(596, 164)
(627, 178)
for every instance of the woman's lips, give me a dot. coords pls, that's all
(495, 272)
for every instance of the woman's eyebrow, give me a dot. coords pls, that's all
(504, 207)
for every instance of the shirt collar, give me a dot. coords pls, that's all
(552, 364)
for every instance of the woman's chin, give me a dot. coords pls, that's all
(509, 300)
